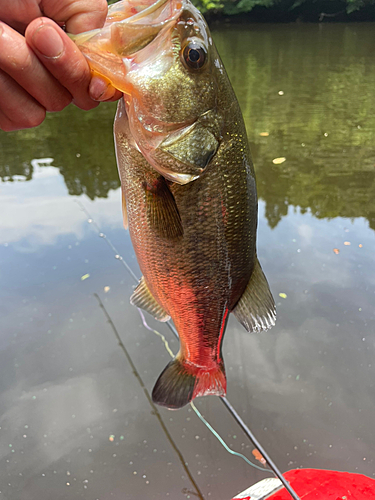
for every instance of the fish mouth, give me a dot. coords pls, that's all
(130, 26)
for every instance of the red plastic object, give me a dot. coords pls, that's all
(314, 484)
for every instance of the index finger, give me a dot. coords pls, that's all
(20, 63)
(62, 58)
(77, 15)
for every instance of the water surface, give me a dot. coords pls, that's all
(75, 422)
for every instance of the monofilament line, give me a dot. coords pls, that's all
(257, 444)
(252, 438)
(149, 399)
(195, 409)
(225, 401)
(91, 221)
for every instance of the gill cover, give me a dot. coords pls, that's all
(158, 55)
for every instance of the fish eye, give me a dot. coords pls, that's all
(194, 55)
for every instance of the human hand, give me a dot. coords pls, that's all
(44, 70)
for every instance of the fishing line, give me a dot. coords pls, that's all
(257, 444)
(238, 419)
(224, 400)
(147, 394)
(163, 339)
(223, 443)
(90, 220)
(198, 413)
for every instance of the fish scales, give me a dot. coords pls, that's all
(189, 195)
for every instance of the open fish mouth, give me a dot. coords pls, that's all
(130, 26)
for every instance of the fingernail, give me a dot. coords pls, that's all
(48, 42)
(107, 94)
(100, 90)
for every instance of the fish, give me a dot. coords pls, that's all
(188, 185)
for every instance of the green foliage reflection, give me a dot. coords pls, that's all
(290, 9)
(324, 123)
(81, 144)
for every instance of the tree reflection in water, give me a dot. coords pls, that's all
(311, 88)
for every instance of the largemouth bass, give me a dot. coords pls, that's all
(188, 184)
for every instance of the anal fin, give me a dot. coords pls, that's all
(256, 309)
(143, 298)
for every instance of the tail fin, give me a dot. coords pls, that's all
(179, 383)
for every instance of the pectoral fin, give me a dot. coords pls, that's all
(162, 212)
(256, 308)
(143, 298)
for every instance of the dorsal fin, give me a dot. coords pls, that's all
(143, 298)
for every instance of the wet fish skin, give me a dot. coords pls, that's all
(190, 201)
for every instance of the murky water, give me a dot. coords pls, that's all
(75, 422)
